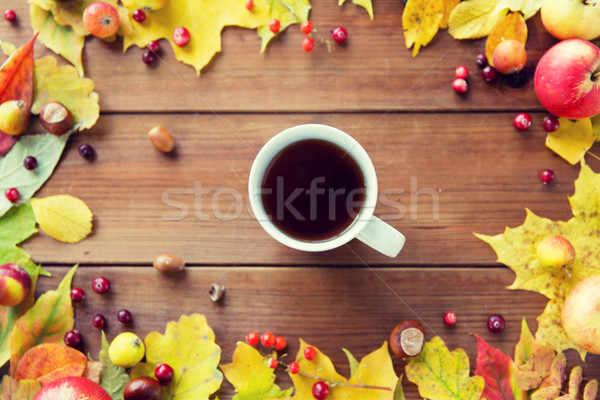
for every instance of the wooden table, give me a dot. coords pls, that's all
(449, 165)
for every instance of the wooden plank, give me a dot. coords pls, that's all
(374, 71)
(331, 308)
(444, 176)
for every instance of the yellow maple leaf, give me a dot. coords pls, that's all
(512, 26)
(421, 21)
(572, 139)
(63, 217)
(189, 347)
(366, 4)
(516, 248)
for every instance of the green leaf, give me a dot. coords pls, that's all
(366, 4)
(399, 391)
(352, 361)
(112, 378)
(288, 13)
(52, 82)
(46, 322)
(443, 375)
(58, 38)
(46, 148)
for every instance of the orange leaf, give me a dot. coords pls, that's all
(16, 83)
(48, 362)
(512, 26)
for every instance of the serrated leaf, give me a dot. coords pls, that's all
(63, 217)
(443, 375)
(366, 4)
(498, 371)
(60, 39)
(62, 83)
(46, 148)
(352, 361)
(251, 376)
(189, 347)
(512, 26)
(11, 389)
(112, 378)
(516, 248)
(572, 139)
(46, 322)
(288, 13)
(420, 22)
(532, 360)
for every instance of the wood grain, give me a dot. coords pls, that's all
(331, 308)
(441, 178)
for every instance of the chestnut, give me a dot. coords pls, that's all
(407, 338)
(143, 388)
(55, 118)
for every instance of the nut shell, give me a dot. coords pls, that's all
(168, 263)
(143, 388)
(161, 139)
(56, 118)
(407, 338)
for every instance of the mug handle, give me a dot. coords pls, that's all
(382, 237)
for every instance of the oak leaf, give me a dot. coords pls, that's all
(443, 375)
(11, 389)
(516, 248)
(572, 139)
(63, 217)
(421, 21)
(46, 322)
(189, 347)
(251, 376)
(512, 26)
(47, 362)
(498, 371)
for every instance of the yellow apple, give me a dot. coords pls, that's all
(566, 19)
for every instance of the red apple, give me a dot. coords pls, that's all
(566, 19)
(101, 19)
(509, 56)
(567, 79)
(581, 314)
(15, 284)
(72, 388)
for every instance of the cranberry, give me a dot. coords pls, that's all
(77, 294)
(138, 15)
(12, 194)
(253, 338)
(450, 318)
(280, 343)
(462, 72)
(153, 46)
(489, 74)
(460, 86)
(30, 163)
(310, 353)
(73, 338)
(101, 285)
(148, 57)
(481, 60)
(495, 323)
(86, 151)
(99, 321)
(124, 316)
(294, 367)
(551, 123)
(320, 390)
(308, 44)
(547, 176)
(267, 339)
(181, 36)
(10, 15)
(339, 34)
(274, 25)
(522, 121)
(164, 374)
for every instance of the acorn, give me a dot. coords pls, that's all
(14, 117)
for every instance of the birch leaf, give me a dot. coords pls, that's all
(63, 217)
(421, 21)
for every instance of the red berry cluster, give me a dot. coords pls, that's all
(267, 339)
(460, 84)
(339, 35)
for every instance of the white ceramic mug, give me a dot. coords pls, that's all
(365, 227)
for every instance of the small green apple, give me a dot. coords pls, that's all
(555, 251)
(566, 19)
(581, 314)
(14, 117)
(15, 284)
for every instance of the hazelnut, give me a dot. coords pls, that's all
(168, 263)
(55, 118)
(216, 292)
(161, 139)
(407, 338)
(143, 388)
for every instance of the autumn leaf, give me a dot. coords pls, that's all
(189, 347)
(443, 375)
(498, 371)
(11, 389)
(251, 376)
(288, 13)
(46, 148)
(366, 4)
(16, 77)
(512, 26)
(550, 387)
(421, 21)
(46, 322)
(448, 7)
(532, 360)
(59, 38)
(47, 362)
(516, 248)
(572, 139)
(112, 378)
(63, 84)
(63, 217)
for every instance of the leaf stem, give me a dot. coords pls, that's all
(593, 155)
